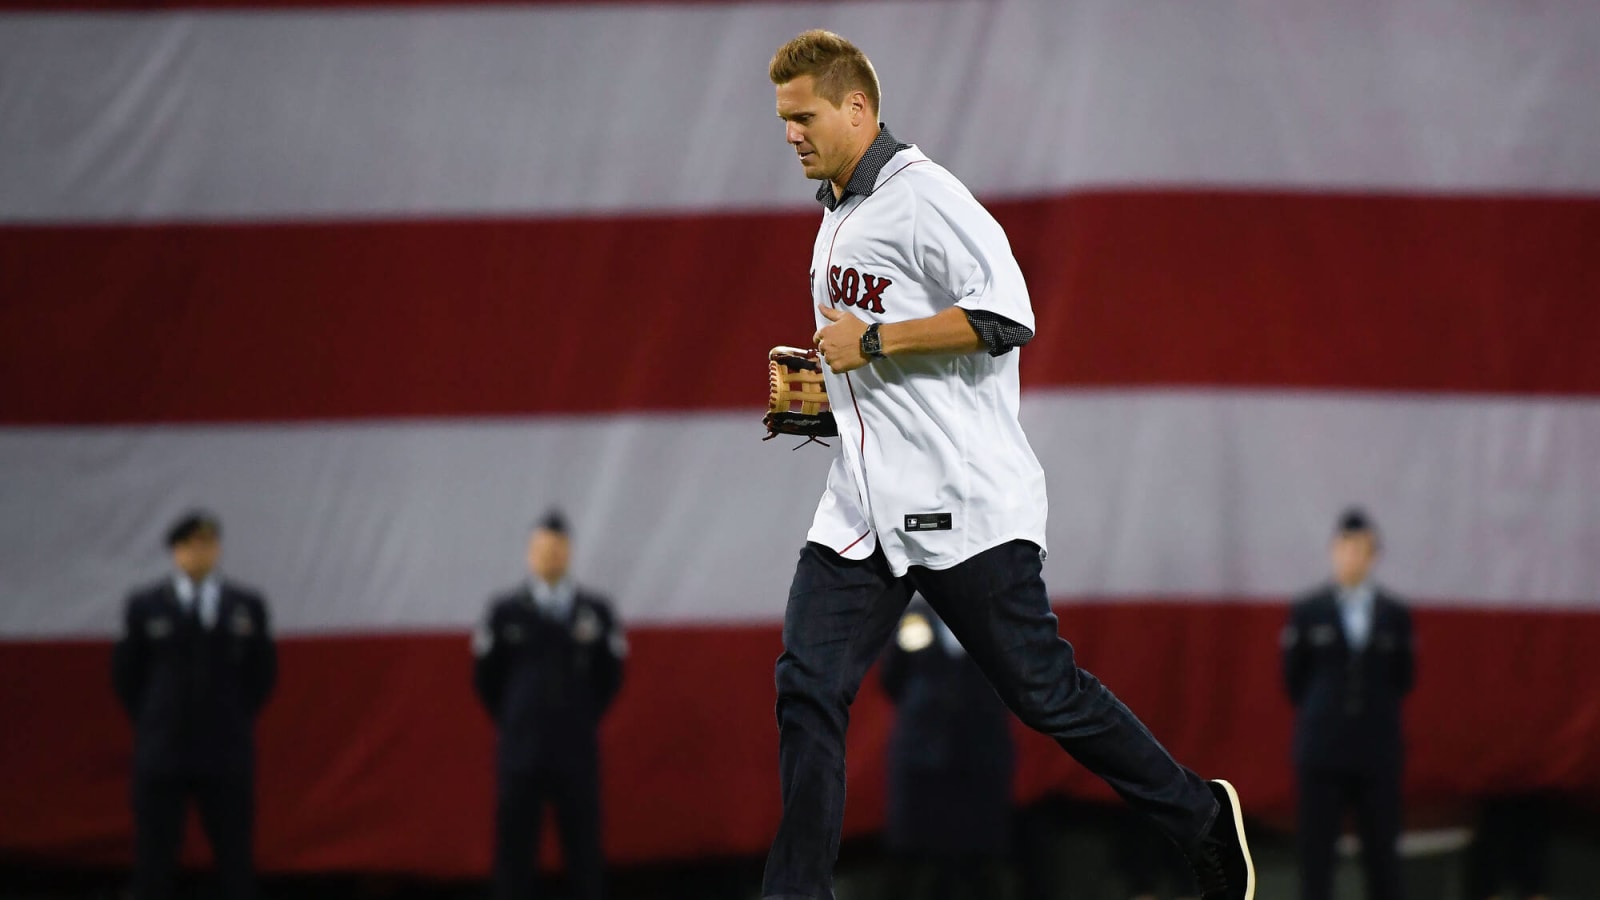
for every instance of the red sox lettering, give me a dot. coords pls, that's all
(859, 289)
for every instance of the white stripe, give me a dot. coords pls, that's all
(1483, 501)
(551, 110)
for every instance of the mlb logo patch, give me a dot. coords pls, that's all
(937, 521)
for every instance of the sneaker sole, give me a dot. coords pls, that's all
(1244, 845)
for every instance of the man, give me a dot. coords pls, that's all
(195, 665)
(548, 664)
(920, 309)
(1347, 664)
(950, 764)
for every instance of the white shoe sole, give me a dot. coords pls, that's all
(1244, 845)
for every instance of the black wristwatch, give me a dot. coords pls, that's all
(871, 343)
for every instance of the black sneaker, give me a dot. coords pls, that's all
(1221, 861)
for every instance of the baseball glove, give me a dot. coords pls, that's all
(797, 399)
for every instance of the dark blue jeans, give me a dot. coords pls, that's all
(841, 614)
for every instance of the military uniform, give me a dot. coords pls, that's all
(193, 668)
(547, 668)
(1348, 663)
(951, 759)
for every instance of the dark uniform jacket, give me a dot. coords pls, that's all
(194, 692)
(951, 753)
(547, 682)
(1347, 703)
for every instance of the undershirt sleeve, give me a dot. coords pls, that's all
(998, 333)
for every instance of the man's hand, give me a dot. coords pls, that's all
(840, 343)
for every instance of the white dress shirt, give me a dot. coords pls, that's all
(554, 600)
(1355, 612)
(210, 596)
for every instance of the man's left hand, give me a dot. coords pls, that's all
(840, 342)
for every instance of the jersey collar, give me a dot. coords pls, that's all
(864, 180)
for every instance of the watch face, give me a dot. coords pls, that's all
(870, 342)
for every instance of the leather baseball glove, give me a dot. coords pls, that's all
(797, 398)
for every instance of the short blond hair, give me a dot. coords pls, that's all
(838, 66)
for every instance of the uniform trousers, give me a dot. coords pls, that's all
(1325, 797)
(943, 876)
(226, 804)
(840, 615)
(1512, 846)
(574, 792)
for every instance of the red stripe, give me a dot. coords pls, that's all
(436, 318)
(847, 547)
(375, 757)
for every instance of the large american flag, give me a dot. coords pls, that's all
(381, 283)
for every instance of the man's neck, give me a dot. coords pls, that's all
(843, 180)
(195, 578)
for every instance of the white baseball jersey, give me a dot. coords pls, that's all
(934, 465)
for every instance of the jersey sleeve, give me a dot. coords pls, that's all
(961, 249)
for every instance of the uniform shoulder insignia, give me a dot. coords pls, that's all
(483, 638)
(585, 625)
(916, 632)
(242, 624)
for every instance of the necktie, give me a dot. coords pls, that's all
(200, 644)
(192, 612)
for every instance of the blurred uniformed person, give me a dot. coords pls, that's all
(951, 759)
(1347, 664)
(1145, 861)
(549, 661)
(193, 668)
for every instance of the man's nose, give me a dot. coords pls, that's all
(791, 133)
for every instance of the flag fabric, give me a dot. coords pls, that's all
(379, 284)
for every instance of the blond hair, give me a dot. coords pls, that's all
(838, 66)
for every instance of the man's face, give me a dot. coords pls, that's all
(548, 553)
(825, 136)
(1353, 554)
(197, 556)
